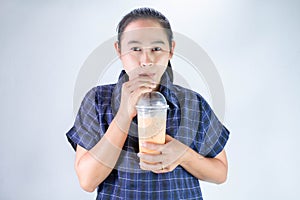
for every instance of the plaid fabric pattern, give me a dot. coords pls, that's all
(189, 119)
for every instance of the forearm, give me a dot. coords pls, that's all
(95, 165)
(206, 169)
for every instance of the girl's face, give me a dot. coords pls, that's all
(144, 49)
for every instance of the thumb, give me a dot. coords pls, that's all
(168, 138)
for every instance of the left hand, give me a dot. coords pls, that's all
(169, 158)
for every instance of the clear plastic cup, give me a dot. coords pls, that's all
(152, 115)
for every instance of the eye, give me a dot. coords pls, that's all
(156, 49)
(136, 49)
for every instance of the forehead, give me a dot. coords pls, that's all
(144, 31)
(142, 23)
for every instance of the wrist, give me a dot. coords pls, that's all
(189, 156)
(123, 122)
(126, 112)
(186, 157)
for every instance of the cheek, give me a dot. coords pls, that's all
(162, 69)
(163, 60)
(129, 62)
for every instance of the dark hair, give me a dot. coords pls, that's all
(145, 13)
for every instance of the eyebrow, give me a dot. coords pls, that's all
(138, 42)
(158, 42)
(134, 42)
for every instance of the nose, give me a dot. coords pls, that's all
(146, 59)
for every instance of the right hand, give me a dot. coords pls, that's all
(131, 92)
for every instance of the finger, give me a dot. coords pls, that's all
(135, 95)
(151, 158)
(165, 169)
(143, 79)
(153, 146)
(161, 171)
(139, 83)
(151, 166)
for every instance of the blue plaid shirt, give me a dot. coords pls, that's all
(189, 119)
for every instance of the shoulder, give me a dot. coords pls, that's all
(191, 98)
(99, 94)
(189, 94)
(103, 93)
(104, 90)
(101, 90)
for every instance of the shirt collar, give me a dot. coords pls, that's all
(167, 88)
(116, 94)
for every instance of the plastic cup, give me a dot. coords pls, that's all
(152, 115)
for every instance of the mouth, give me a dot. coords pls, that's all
(147, 74)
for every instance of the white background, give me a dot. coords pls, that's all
(254, 45)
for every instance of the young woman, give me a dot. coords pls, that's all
(105, 134)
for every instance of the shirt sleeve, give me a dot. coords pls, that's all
(213, 135)
(86, 129)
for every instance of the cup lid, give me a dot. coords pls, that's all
(152, 100)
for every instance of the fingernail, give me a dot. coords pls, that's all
(138, 155)
(144, 144)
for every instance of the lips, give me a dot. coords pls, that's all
(147, 74)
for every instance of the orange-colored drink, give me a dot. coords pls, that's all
(152, 129)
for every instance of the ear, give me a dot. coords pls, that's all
(172, 49)
(117, 48)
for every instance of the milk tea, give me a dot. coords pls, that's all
(152, 129)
